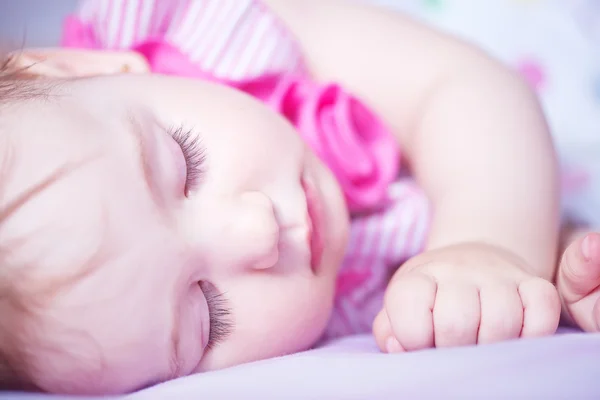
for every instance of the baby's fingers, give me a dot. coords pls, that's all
(409, 302)
(501, 313)
(384, 337)
(541, 307)
(456, 315)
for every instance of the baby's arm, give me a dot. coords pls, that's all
(477, 142)
(473, 132)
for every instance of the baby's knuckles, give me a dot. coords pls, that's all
(477, 263)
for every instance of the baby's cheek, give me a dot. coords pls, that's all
(301, 316)
(85, 373)
(283, 320)
(80, 352)
(75, 369)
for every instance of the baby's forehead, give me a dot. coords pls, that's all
(46, 230)
(74, 187)
(52, 162)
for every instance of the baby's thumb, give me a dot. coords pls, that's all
(579, 270)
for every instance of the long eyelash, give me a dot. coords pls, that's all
(194, 154)
(221, 325)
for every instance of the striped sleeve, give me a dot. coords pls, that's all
(229, 39)
(379, 244)
(395, 234)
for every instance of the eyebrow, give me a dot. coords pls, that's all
(137, 130)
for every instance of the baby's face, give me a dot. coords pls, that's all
(180, 212)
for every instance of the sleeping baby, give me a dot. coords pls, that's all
(194, 184)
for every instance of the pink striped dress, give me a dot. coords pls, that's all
(241, 43)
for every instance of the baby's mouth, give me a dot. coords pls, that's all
(314, 220)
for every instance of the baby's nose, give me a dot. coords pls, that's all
(254, 232)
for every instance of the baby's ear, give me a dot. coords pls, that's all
(56, 62)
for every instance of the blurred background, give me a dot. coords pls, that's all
(32, 22)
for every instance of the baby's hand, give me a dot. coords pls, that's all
(464, 295)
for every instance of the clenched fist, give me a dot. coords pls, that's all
(464, 294)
